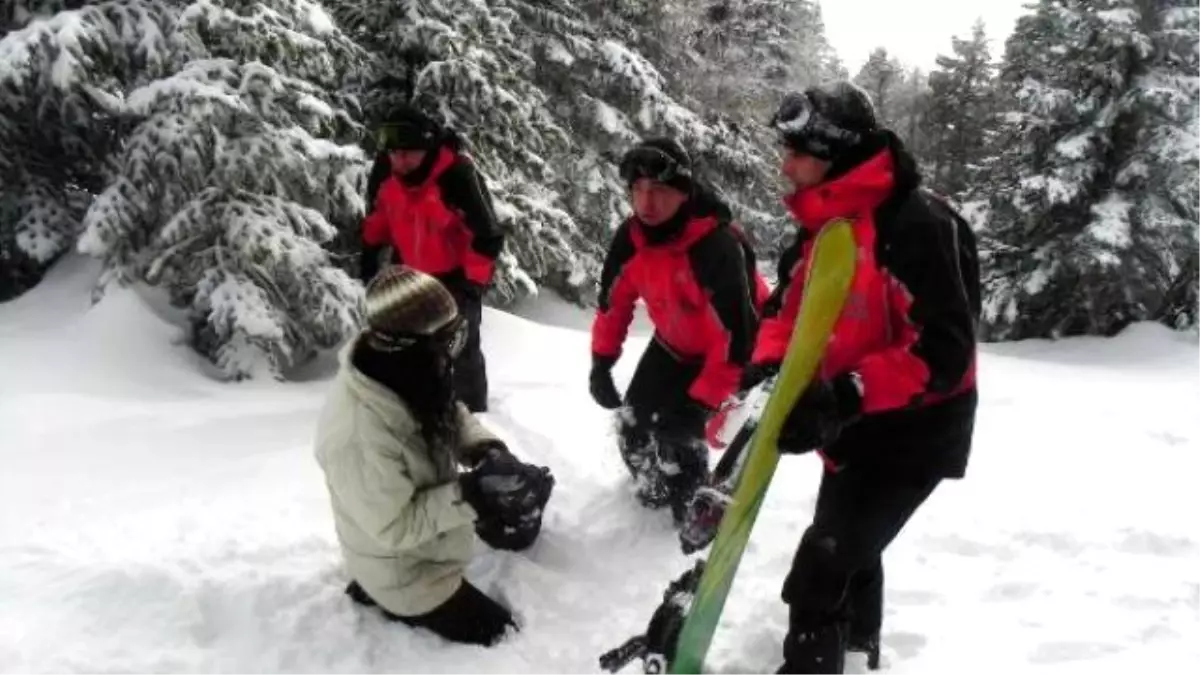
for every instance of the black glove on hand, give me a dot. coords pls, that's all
(755, 373)
(817, 419)
(509, 496)
(604, 392)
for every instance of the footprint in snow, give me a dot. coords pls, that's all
(1058, 652)
(1017, 590)
(1150, 543)
(906, 645)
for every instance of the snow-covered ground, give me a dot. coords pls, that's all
(154, 520)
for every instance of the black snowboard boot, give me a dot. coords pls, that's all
(639, 450)
(818, 649)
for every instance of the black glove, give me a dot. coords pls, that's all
(755, 373)
(600, 382)
(817, 419)
(508, 495)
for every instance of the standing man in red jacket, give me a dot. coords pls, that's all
(893, 410)
(431, 206)
(681, 255)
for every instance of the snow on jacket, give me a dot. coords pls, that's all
(443, 225)
(907, 328)
(405, 532)
(701, 291)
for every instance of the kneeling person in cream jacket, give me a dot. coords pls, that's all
(390, 439)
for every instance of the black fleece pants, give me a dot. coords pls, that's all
(469, 616)
(835, 587)
(662, 432)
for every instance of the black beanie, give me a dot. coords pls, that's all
(681, 179)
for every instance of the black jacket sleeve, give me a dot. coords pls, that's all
(368, 260)
(936, 347)
(720, 268)
(464, 189)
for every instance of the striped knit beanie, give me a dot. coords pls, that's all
(403, 304)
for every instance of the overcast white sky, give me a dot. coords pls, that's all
(915, 31)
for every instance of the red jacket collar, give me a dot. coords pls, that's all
(445, 159)
(695, 229)
(861, 190)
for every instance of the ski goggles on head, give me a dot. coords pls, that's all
(652, 163)
(793, 116)
(404, 136)
(450, 338)
(797, 119)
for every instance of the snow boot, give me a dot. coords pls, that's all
(684, 465)
(639, 451)
(815, 650)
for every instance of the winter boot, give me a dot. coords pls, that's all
(639, 451)
(866, 612)
(684, 464)
(815, 649)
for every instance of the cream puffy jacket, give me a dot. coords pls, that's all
(405, 532)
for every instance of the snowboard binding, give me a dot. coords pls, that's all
(656, 647)
(703, 517)
(708, 506)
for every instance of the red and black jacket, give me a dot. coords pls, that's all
(438, 220)
(701, 290)
(907, 329)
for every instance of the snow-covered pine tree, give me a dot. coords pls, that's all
(882, 76)
(547, 94)
(910, 102)
(59, 73)
(1092, 215)
(746, 54)
(959, 115)
(235, 161)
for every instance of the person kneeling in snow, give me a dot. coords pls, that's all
(389, 439)
(681, 254)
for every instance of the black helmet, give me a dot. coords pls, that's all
(827, 120)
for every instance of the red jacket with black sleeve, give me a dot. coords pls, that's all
(443, 224)
(907, 329)
(701, 291)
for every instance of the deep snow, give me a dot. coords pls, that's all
(152, 519)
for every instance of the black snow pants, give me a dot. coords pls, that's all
(470, 368)
(835, 587)
(661, 434)
(469, 616)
